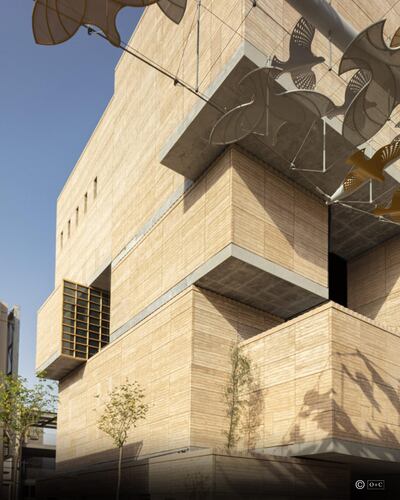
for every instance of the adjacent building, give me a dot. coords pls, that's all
(170, 251)
(9, 339)
(9, 347)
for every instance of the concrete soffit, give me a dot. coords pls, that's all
(332, 448)
(207, 276)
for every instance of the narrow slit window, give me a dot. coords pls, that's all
(61, 239)
(95, 188)
(85, 203)
(77, 215)
(69, 228)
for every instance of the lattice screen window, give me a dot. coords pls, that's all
(86, 320)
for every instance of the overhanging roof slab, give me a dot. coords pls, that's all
(189, 152)
(258, 282)
(59, 365)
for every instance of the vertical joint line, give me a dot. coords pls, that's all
(198, 45)
(330, 51)
(267, 113)
(323, 145)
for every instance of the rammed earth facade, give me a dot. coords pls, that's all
(171, 251)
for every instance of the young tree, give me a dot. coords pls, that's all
(122, 411)
(240, 379)
(21, 408)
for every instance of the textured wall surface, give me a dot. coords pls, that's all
(123, 152)
(209, 474)
(48, 328)
(329, 373)
(374, 283)
(239, 201)
(180, 355)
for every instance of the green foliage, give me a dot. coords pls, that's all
(123, 410)
(239, 381)
(22, 407)
(252, 414)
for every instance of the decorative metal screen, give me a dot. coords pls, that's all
(85, 320)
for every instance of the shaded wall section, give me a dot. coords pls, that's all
(374, 283)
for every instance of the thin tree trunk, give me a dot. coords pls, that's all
(119, 472)
(18, 472)
(12, 481)
(14, 474)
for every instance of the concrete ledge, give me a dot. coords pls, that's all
(205, 474)
(336, 449)
(147, 226)
(246, 277)
(271, 267)
(58, 365)
(188, 152)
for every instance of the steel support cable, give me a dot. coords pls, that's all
(146, 60)
(149, 62)
(337, 60)
(225, 23)
(228, 43)
(185, 44)
(359, 210)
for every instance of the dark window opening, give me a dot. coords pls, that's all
(338, 279)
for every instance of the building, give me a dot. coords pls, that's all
(38, 453)
(9, 339)
(9, 347)
(170, 249)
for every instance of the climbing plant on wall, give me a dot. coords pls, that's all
(239, 383)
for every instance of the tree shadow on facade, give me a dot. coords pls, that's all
(282, 477)
(316, 404)
(377, 305)
(94, 475)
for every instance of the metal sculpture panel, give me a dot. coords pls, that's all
(56, 21)
(263, 113)
(367, 169)
(375, 103)
(301, 59)
(392, 211)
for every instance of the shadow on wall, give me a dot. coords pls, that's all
(201, 475)
(272, 202)
(379, 277)
(282, 478)
(95, 476)
(253, 415)
(103, 458)
(371, 384)
(206, 475)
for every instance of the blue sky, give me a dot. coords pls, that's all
(51, 99)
